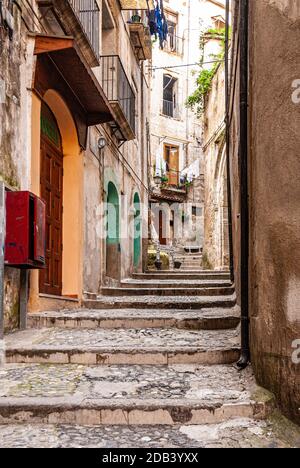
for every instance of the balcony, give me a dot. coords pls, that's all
(174, 45)
(77, 18)
(119, 93)
(141, 40)
(170, 110)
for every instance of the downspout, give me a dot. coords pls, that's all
(227, 121)
(243, 168)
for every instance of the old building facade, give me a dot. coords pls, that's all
(177, 170)
(77, 140)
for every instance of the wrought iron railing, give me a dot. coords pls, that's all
(116, 86)
(174, 44)
(169, 109)
(88, 13)
(173, 180)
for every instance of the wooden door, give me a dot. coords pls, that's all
(162, 228)
(52, 193)
(172, 159)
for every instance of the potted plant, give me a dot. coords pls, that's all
(136, 18)
(177, 264)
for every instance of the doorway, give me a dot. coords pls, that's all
(52, 192)
(137, 230)
(113, 247)
(171, 156)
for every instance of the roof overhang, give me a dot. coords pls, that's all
(78, 77)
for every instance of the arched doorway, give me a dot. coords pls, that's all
(113, 233)
(137, 231)
(52, 192)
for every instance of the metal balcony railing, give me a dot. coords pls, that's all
(169, 109)
(116, 86)
(174, 44)
(174, 180)
(88, 13)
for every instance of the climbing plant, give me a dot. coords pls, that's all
(196, 101)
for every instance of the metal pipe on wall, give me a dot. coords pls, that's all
(2, 242)
(227, 119)
(243, 169)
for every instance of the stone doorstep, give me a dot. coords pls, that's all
(76, 411)
(219, 321)
(166, 302)
(121, 356)
(212, 292)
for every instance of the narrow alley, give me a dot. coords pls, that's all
(149, 225)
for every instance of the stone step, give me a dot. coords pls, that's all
(193, 275)
(209, 319)
(174, 283)
(240, 433)
(161, 302)
(102, 346)
(129, 396)
(124, 292)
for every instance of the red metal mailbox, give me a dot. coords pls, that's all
(25, 243)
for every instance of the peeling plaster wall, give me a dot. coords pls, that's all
(126, 168)
(215, 228)
(13, 164)
(274, 189)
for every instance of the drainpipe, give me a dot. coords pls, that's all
(243, 168)
(2, 241)
(227, 120)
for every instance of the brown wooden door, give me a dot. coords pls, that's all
(162, 228)
(171, 155)
(52, 193)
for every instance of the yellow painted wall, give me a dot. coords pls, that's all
(72, 273)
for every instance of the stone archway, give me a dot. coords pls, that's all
(71, 191)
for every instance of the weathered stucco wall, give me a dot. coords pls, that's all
(12, 168)
(274, 193)
(275, 197)
(215, 177)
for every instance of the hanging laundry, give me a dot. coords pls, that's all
(158, 23)
(152, 23)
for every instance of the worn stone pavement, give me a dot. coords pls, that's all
(59, 390)
(237, 433)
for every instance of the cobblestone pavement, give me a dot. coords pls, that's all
(212, 384)
(86, 314)
(99, 338)
(164, 300)
(239, 433)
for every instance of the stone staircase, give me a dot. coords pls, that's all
(151, 360)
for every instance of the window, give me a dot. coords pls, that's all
(171, 156)
(170, 105)
(219, 22)
(174, 43)
(172, 20)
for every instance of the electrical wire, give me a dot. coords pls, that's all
(186, 65)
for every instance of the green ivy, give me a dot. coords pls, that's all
(196, 101)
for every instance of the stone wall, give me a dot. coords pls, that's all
(216, 253)
(12, 167)
(274, 193)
